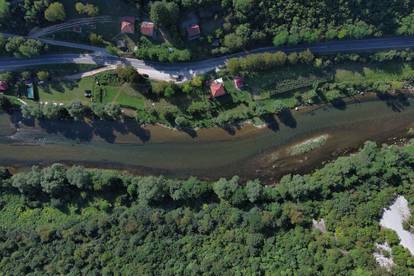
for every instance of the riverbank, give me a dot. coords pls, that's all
(211, 153)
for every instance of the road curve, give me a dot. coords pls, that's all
(68, 25)
(163, 71)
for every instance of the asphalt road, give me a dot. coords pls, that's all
(163, 71)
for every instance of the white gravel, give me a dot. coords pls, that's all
(393, 219)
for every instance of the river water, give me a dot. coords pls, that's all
(209, 153)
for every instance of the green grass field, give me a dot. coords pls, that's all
(68, 91)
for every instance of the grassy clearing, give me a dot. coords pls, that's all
(68, 91)
(308, 145)
(294, 85)
(276, 82)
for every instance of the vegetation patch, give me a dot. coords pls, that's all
(309, 145)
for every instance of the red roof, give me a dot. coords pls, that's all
(238, 82)
(3, 86)
(193, 31)
(128, 24)
(217, 89)
(147, 28)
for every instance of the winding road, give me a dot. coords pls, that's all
(164, 71)
(68, 25)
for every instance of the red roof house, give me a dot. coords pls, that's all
(217, 88)
(193, 31)
(147, 28)
(238, 82)
(128, 25)
(3, 86)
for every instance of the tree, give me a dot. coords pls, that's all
(76, 110)
(31, 48)
(26, 75)
(6, 76)
(53, 180)
(233, 65)
(181, 121)
(96, 39)
(28, 183)
(42, 75)
(4, 9)
(254, 190)
(13, 43)
(98, 110)
(34, 10)
(306, 57)
(128, 74)
(229, 190)
(406, 25)
(293, 58)
(55, 12)
(79, 177)
(233, 42)
(281, 38)
(113, 111)
(87, 9)
(164, 14)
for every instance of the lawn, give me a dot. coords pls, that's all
(267, 84)
(68, 91)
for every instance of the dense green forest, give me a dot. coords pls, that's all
(60, 220)
(226, 26)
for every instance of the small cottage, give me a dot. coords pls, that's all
(193, 31)
(128, 25)
(147, 28)
(217, 88)
(238, 83)
(3, 86)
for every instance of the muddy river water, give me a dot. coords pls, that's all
(208, 153)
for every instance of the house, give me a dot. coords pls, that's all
(128, 25)
(217, 88)
(238, 83)
(193, 31)
(147, 28)
(3, 86)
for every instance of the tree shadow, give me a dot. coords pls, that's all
(74, 130)
(271, 122)
(339, 104)
(133, 127)
(397, 102)
(190, 131)
(287, 118)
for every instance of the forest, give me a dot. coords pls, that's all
(228, 26)
(73, 220)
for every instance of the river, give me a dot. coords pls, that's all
(208, 153)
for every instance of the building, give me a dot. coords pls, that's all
(217, 88)
(147, 28)
(3, 86)
(193, 31)
(30, 91)
(128, 25)
(238, 83)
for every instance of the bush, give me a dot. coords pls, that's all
(55, 12)
(87, 9)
